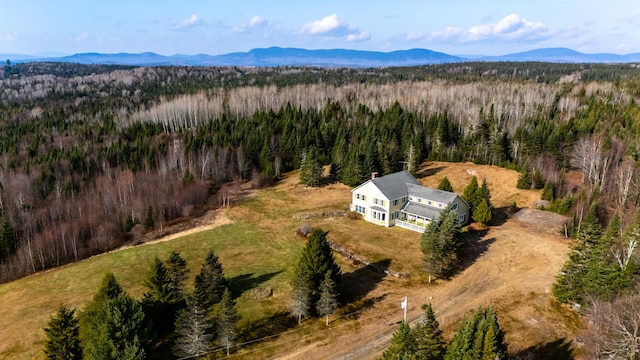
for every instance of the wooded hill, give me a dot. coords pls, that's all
(91, 156)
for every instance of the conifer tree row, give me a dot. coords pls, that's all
(316, 278)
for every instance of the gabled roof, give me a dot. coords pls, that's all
(394, 186)
(440, 196)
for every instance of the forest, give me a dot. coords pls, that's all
(91, 156)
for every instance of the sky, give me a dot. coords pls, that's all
(457, 27)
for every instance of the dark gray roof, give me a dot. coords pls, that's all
(394, 186)
(378, 208)
(425, 211)
(440, 196)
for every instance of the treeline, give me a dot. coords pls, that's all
(91, 161)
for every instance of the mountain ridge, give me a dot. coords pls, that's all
(278, 56)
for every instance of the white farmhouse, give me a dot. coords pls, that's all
(399, 199)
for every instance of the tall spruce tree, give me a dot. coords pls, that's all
(310, 169)
(210, 283)
(90, 318)
(301, 295)
(403, 344)
(445, 185)
(162, 300)
(441, 244)
(429, 342)
(316, 260)
(482, 213)
(63, 336)
(113, 325)
(177, 272)
(328, 301)
(194, 330)
(470, 192)
(227, 318)
(478, 337)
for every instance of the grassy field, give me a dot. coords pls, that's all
(259, 248)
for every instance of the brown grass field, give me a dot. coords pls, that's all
(511, 266)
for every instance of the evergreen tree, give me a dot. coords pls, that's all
(482, 213)
(537, 182)
(114, 326)
(194, 330)
(8, 240)
(316, 260)
(162, 300)
(549, 191)
(127, 331)
(328, 301)
(89, 319)
(403, 344)
(429, 342)
(227, 318)
(310, 169)
(478, 337)
(470, 192)
(441, 244)
(301, 295)
(63, 336)
(484, 194)
(210, 283)
(177, 272)
(445, 185)
(148, 219)
(524, 181)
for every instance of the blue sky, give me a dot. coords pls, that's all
(489, 27)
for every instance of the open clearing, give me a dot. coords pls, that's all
(511, 267)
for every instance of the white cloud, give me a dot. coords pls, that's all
(191, 22)
(510, 28)
(9, 37)
(82, 37)
(256, 23)
(331, 26)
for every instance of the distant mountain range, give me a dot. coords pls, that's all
(276, 56)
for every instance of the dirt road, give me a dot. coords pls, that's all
(513, 269)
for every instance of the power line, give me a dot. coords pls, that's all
(286, 332)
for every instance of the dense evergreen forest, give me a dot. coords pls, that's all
(92, 156)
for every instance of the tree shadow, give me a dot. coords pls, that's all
(241, 283)
(559, 349)
(429, 171)
(475, 245)
(502, 214)
(267, 327)
(355, 285)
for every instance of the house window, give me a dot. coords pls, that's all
(429, 202)
(383, 214)
(463, 217)
(381, 202)
(393, 216)
(363, 198)
(375, 201)
(419, 200)
(358, 196)
(455, 206)
(410, 198)
(395, 202)
(439, 205)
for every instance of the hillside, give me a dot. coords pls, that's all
(504, 270)
(277, 56)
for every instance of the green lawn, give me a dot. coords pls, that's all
(251, 258)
